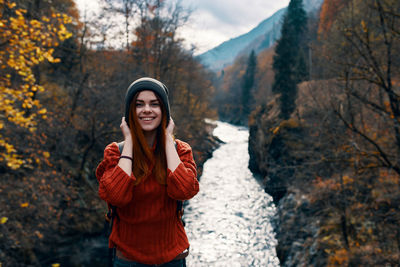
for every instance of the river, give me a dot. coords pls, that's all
(228, 221)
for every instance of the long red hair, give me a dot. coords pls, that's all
(145, 161)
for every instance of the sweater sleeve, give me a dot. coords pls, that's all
(115, 186)
(182, 184)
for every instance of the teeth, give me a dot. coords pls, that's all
(147, 119)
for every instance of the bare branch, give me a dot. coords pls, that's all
(384, 156)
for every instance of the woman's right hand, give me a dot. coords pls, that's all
(126, 164)
(125, 129)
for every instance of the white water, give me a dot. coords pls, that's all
(228, 221)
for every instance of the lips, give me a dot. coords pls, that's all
(147, 118)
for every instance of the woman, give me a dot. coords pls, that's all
(146, 179)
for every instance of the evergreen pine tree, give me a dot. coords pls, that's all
(289, 62)
(247, 85)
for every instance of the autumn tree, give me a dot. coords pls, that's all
(26, 43)
(156, 37)
(289, 62)
(128, 9)
(360, 45)
(365, 58)
(247, 86)
(229, 93)
(328, 14)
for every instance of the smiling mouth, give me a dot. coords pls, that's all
(147, 119)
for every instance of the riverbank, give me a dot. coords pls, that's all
(203, 149)
(335, 205)
(276, 154)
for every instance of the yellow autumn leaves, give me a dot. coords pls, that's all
(27, 43)
(3, 220)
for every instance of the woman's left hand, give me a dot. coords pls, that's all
(173, 159)
(170, 127)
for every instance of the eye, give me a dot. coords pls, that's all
(155, 104)
(139, 104)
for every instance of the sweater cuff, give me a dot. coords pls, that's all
(122, 175)
(181, 183)
(180, 171)
(118, 182)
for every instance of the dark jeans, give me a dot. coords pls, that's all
(123, 263)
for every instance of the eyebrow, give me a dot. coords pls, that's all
(153, 100)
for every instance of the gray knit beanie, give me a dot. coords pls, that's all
(147, 84)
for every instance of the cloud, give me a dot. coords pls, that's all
(215, 21)
(240, 12)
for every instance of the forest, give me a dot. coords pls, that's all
(61, 102)
(322, 107)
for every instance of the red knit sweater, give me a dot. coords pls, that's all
(147, 229)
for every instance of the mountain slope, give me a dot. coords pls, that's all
(261, 37)
(225, 53)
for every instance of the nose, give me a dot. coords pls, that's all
(147, 108)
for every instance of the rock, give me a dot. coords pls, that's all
(276, 150)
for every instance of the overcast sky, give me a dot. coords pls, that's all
(215, 21)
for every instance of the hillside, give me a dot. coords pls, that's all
(332, 167)
(225, 53)
(261, 37)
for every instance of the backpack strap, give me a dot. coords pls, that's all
(180, 210)
(179, 203)
(110, 217)
(121, 146)
(112, 210)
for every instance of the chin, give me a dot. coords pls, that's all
(149, 128)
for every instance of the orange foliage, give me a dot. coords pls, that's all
(329, 11)
(339, 258)
(265, 75)
(326, 184)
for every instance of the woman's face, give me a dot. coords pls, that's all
(148, 111)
